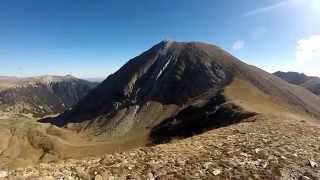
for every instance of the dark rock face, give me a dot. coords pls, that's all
(169, 73)
(40, 98)
(309, 82)
(177, 76)
(72, 93)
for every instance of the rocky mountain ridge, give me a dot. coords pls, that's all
(42, 95)
(311, 83)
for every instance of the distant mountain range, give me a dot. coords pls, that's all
(311, 83)
(41, 95)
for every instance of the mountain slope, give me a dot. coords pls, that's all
(42, 95)
(309, 82)
(164, 86)
(313, 85)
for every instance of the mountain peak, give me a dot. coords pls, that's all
(175, 79)
(167, 40)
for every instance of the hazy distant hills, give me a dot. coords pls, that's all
(178, 89)
(41, 95)
(311, 83)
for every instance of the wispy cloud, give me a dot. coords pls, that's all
(265, 9)
(237, 45)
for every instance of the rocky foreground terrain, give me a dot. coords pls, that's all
(261, 147)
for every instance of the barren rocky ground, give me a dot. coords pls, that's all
(262, 147)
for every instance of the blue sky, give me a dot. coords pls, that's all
(93, 38)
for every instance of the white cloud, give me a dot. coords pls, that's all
(307, 56)
(308, 50)
(237, 45)
(265, 9)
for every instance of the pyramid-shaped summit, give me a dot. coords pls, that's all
(181, 84)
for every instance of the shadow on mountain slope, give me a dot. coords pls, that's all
(198, 118)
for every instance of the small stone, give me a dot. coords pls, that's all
(130, 177)
(216, 172)
(304, 178)
(283, 157)
(207, 165)
(236, 131)
(265, 164)
(181, 163)
(313, 163)
(150, 176)
(257, 150)
(59, 178)
(244, 154)
(98, 177)
(3, 174)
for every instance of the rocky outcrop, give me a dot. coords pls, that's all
(43, 95)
